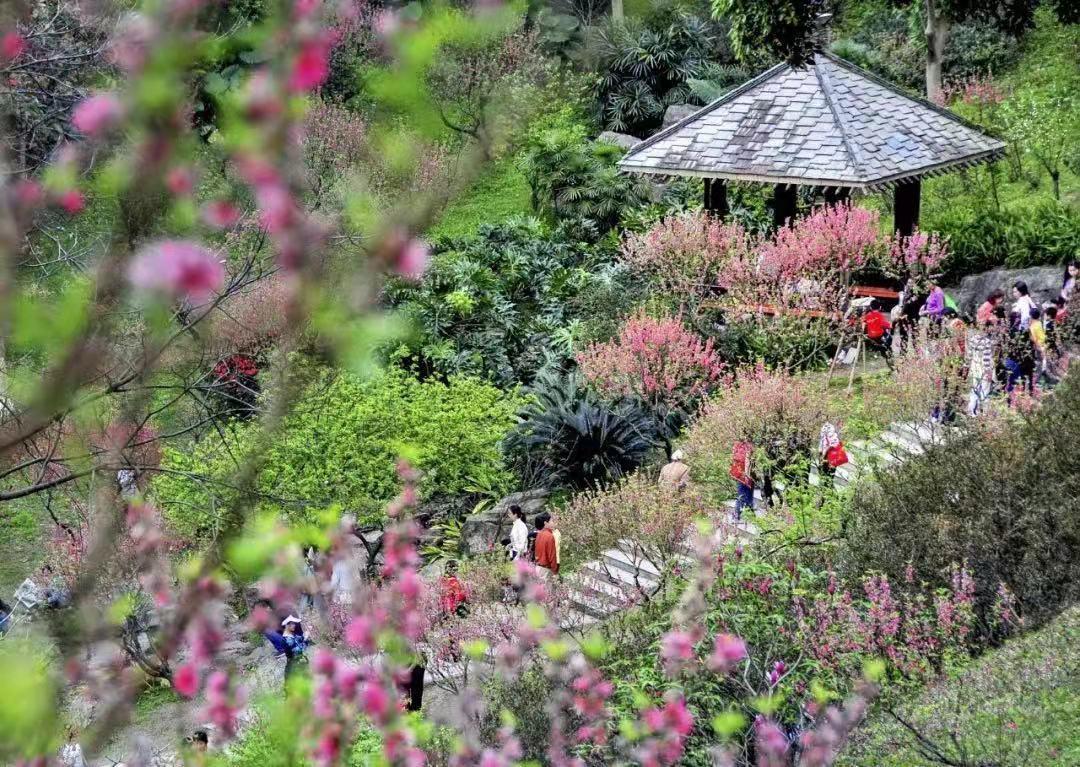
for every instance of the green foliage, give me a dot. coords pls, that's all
(645, 67)
(790, 343)
(340, 445)
(577, 182)
(1001, 498)
(27, 718)
(783, 28)
(1014, 706)
(502, 304)
(500, 194)
(521, 700)
(567, 436)
(1047, 233)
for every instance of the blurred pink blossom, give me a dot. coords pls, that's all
(97, 114)
(178, 268)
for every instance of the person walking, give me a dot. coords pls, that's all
(519, 533)
(675, 474)
(980, 364)
(741, 473)
(546, 556)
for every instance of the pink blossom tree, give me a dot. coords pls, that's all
(658, 361)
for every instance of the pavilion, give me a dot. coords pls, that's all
(829, 125)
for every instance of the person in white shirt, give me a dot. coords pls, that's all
(519, 533)
(1024, 304)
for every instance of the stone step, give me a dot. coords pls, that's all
(903, 442)
(620, 577)
(628, 557)
(591, 605)
(590, 584)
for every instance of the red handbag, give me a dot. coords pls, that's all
(836, 456)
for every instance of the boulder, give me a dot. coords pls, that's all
(1044, 282)
(624, 140)
(482, 532)
(677, 112)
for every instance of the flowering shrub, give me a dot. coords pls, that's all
(658, 361)
(686, 254)
(772, 410)
(833, 237)
(638, 509)
(786, 633)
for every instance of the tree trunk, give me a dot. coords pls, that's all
(937, 29)
(617, 13)
(1055, 176)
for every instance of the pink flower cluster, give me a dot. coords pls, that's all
(843, 237)
(657, 360)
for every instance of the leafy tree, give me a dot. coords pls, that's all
(496, 305)
(577, 181)
(784, 28)
(340, 446)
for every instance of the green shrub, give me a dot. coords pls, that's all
(503, 304)
(1002, 497)
(524, 699)
(791, 343)
(1014, 706)
(1048, 233)
(340, 445)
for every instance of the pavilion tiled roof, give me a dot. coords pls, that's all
(829, 123)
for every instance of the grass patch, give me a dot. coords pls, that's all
(1016, 705)
(501, 193)
(153, 698)
(20, 545)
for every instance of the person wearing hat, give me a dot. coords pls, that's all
(675, 475)
(290, 642)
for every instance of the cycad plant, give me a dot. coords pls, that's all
(568, 437)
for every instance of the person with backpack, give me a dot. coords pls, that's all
(831, 450)
(741, 473)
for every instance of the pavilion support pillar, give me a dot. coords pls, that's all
(785, 198)
(906, 202)
(834, 195)
(716, 197)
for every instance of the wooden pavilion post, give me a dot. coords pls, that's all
(716, 201)
(834, 195)
(785, 198)
(906, 202)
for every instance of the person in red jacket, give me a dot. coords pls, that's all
(546, 556)
(878, 329)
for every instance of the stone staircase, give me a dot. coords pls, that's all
(627, 575)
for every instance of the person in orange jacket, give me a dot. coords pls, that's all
(546, 553)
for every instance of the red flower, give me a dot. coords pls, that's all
(72, 201)
(311, 67)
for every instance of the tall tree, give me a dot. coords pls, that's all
(784, 28)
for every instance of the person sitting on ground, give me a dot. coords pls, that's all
(1023, 303)
(53, 588)
(519, 533)
(740, 472)
(453, 597)
(985, 313)
(545, 546)
(675, 474)
(878, 329)
(831, 449)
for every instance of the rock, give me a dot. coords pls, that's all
(677, 112)
(1044, 282)
(482, 532)
(625, 140)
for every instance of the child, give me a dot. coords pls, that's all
(740, 472)
(1038, 340)
(878, 329)
(831, 450)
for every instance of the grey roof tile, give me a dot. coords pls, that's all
(829, 123)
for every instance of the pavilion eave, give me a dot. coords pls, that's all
(868, 185)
